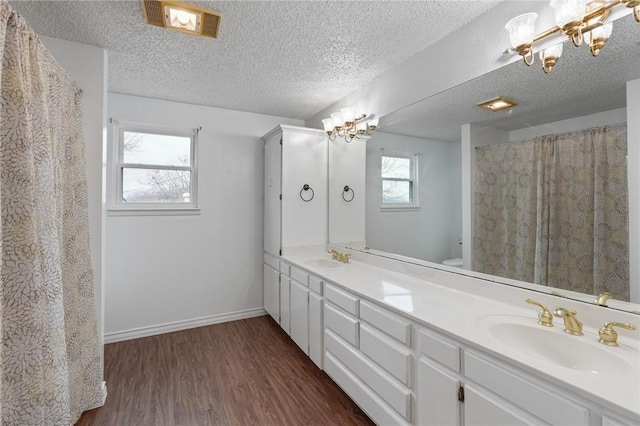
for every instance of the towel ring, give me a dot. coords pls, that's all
(346, 190)
(306, 187)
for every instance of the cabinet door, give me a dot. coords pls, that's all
(299, 315)
(285, 283)
(315, 328)
(483, 409)
(272, 191)
(438, 396)
(272, 292)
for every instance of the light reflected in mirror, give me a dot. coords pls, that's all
(441, 134)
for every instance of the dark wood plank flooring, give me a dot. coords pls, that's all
(244, 372)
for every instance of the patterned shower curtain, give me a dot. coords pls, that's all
(49, 353)
(553, 210)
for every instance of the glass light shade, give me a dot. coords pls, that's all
(336, 119)
(551, 51)
(347, 114)
(361, 127)
(603, 31)
(373, 122)
(328, 124)
(568, 10)
(522, 29)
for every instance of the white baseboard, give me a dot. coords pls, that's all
(136, 333)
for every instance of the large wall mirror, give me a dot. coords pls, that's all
(443, 175)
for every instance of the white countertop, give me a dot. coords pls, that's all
(462, 314)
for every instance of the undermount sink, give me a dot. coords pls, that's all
(323, 263)
(580, 353)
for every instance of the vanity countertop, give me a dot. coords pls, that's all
(463, 315)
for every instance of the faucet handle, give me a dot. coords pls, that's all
(544, 317)
(603, 298)
(608, 335)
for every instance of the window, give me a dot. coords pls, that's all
(155, 168)
(399, 183)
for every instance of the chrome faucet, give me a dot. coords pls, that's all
(571, 324)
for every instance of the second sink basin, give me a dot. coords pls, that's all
(581, 353)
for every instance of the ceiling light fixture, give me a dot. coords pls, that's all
(346, 124)
(497, 104)
(183, 17)
(578, 20)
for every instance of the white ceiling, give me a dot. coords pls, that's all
(283, 58)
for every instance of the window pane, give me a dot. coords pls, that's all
(155, 186)
(395, 167)
(397, 192)
(161, 150)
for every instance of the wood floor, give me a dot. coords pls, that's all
(239, 373)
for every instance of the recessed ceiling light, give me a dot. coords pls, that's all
(497, 104)
(183, 17)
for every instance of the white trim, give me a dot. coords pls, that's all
(399, 208)
(132, 211)
(152, 330)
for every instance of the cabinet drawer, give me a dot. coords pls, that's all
(299, 275)
(371, 403)
(397, 396)
(285, 268)
(342, 299)
(524, 393)
(440, 349)
(315, 284)
(387, 353)
(391, 324)
(271, 261)
(342, 324)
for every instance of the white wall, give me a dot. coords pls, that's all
(599, 119)
(87, 66)
(455, 187)
(347, 168)
(422, 234)
(172, 272)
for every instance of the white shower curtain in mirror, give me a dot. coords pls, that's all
(49, 353)
(553, 210)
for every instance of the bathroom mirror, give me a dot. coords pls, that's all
(580, 88)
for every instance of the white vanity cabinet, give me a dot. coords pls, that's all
(272, 286)
(285, 295)
(459, 385)
(439, 376)
(368, 353)
(300, 308)
(295, 191)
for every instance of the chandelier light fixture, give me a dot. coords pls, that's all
(581, 21)
(346, 124)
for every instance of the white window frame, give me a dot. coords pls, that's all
(413, 178)
(117, 207)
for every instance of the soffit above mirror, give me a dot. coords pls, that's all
(578, 85)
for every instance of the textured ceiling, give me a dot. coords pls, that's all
(285, 58)
(578, 85)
